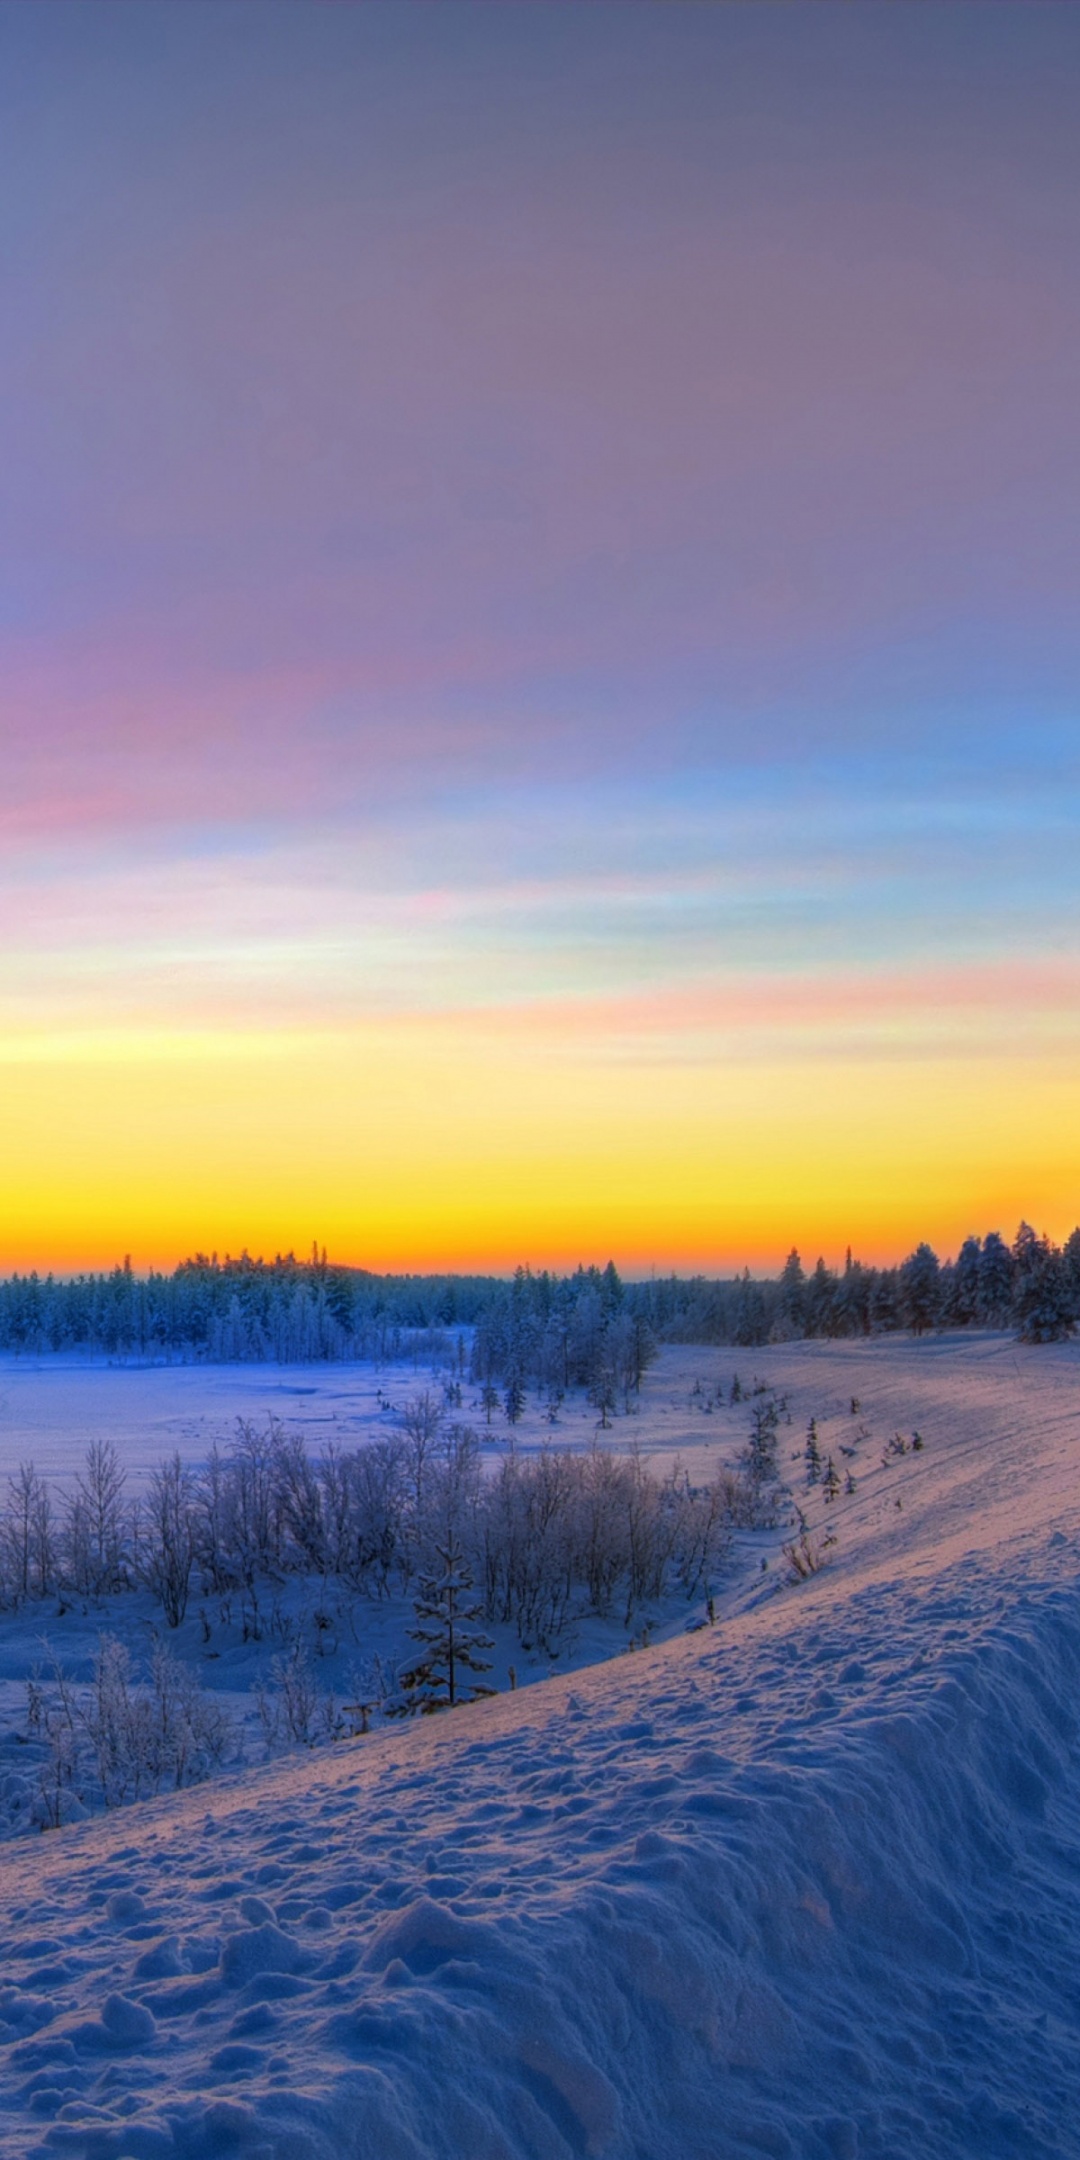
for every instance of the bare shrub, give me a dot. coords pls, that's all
(167, 1551)
(806, 1555)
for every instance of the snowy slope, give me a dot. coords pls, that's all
(805, 1884)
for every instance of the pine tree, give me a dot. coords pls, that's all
(1044, 1304)
(820, 1301)
(995, 1280)
(760, 1453)
(963, 1295)
(749, 1322)
(611, 1290)
(853, 1295)
(920, 1289)
(602, 1394)
(446, 1627)
(884, 1301)
(812, 1454)
(793, 1293)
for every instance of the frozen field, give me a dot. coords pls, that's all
(804, 1885)
(52, 1408)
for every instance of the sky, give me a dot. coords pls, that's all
(539, 630)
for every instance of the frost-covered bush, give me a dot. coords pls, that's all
(546, 1539)
(560, 1532)
(121, 1738)
(167, 1548)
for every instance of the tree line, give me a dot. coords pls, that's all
(241, 1309)
(591, 1330)
(1031, 1285)
(555, 1332)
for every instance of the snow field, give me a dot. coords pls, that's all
(51, 1408)
(805, 1884)
(729, 1897)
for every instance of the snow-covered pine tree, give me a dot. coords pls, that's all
(749, 1322)
(885, 1301)
(920, 1292)
(759, 1458)
(812, 1454)
(1044, 1305)
(447, 1628)
(962, 1296)
(792, 1298)
(820, 1304)
(995, 1280)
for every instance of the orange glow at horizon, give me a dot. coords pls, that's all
(539, 646)
(464, 1142)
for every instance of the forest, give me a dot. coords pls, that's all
(537, 1328)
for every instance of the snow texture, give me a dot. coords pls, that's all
(805, 1884)
(52, 1407)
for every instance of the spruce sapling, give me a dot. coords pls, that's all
(446, 1627)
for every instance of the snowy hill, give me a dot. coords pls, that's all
(805, 1884)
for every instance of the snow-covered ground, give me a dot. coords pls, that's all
(803, 1884)
(51, 1408)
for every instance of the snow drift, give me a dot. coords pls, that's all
(807, 1884)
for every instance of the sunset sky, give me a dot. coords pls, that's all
(539, 630)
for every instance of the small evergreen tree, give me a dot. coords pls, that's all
(759, 1457)
(812, 1454)
(602, 1394)
(447, 1619)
